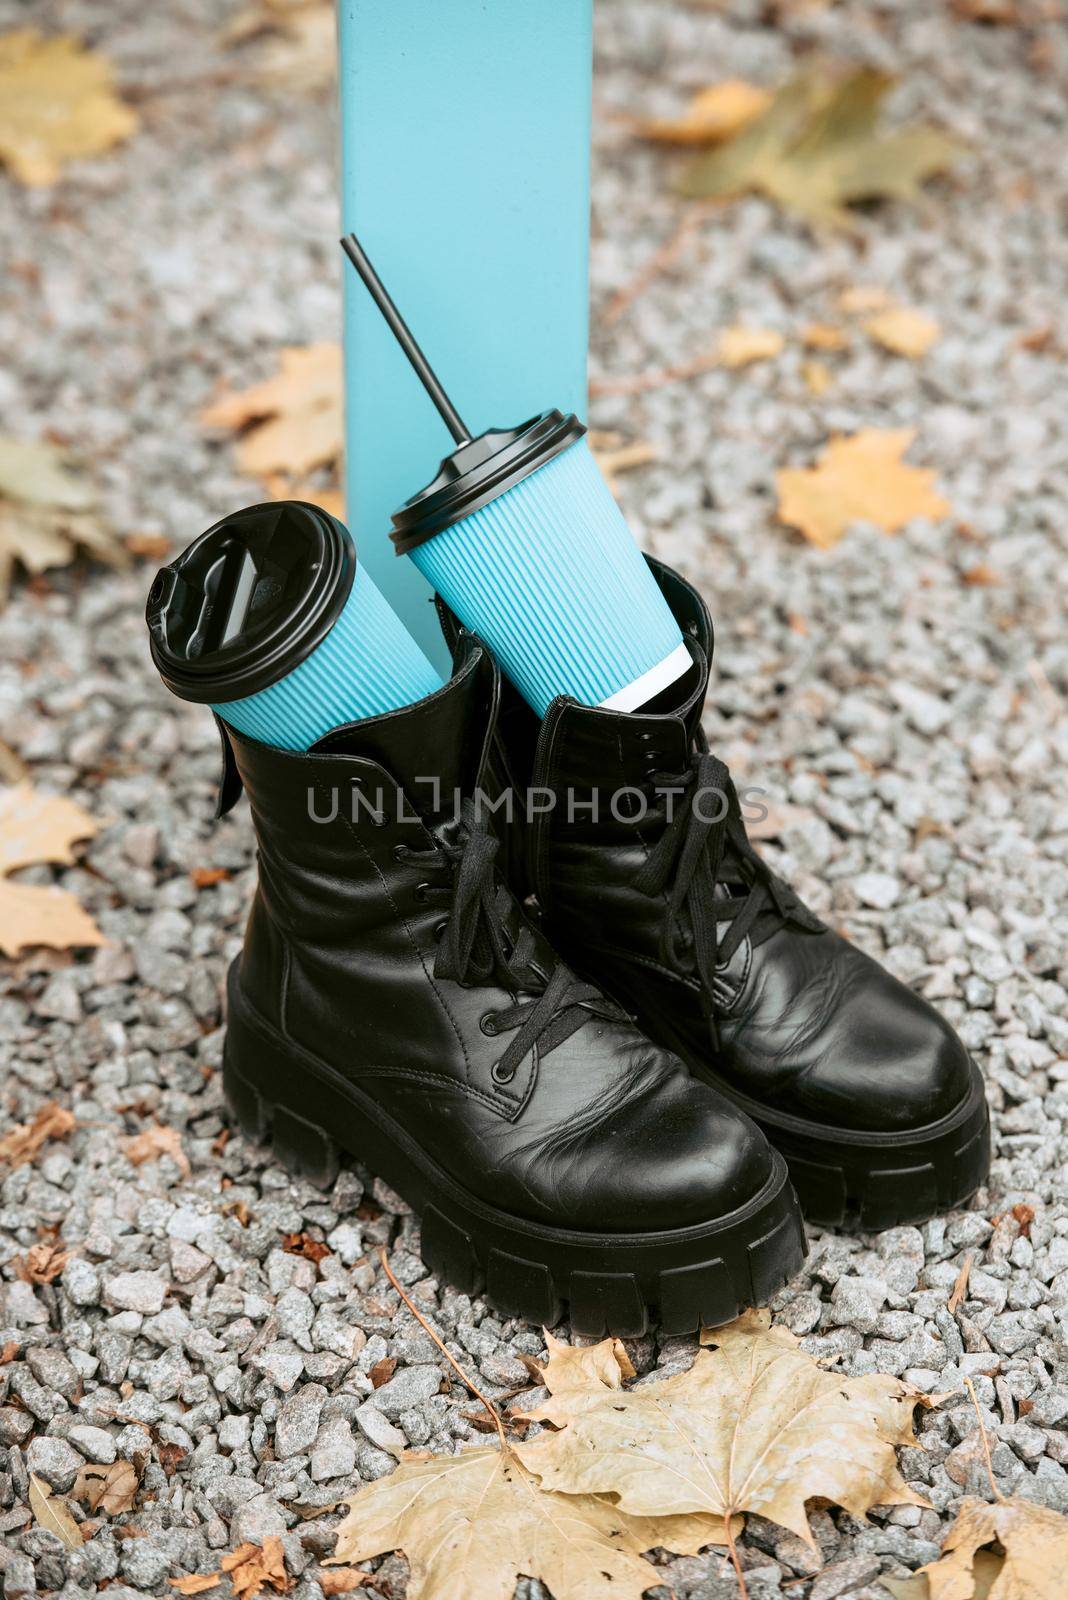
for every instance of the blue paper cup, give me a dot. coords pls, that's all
(522, 538)
(269, 619)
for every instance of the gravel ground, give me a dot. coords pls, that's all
(908, 723)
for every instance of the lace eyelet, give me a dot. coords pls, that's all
(488, 1024)
(421, 892)
(500, 1075)
(439, 927)
(400, 852)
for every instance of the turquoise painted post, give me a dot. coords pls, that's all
(465, 129)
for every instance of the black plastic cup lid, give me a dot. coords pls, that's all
(249, 600)
(478, 472)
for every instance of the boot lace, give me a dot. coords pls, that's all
(476, 945)
(712, 874)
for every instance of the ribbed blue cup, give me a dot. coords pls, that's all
(550, 576)
(367, 664)
(270, 619)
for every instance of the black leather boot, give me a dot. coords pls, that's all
(658, 896)
(393, 1001)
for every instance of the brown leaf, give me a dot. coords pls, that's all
(741, 346)
(293, 420)
(39, 827)
(196, 1582)
(36, 828)
(51, 1513)
(824, 336)
(42, 1263)
(1035, 1544)
(169, 1457)
(9, 1351)
(603, 1365)
(382, 1371)
(154, 1142)
(481, 1512)
(904, 331)
(251, 1567)
(818, 149)
(22, 1142)
(981, 576)
(714, 114)
(756, 1425)
(342, 1580)
(300, 42)
(302, 1244)
(818, 377)
(207, 877)
(56, 104)
(861, 478)
(47, 512)
(111, 1489)
(1024, 1215)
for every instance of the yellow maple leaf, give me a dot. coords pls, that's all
(47, 511)
(34, 828)
(756, 1425)
(860, 478)
(300, 41)
(904, 331)
(817, 376)
(293, 422)
(715, 113)
(824, 336)
(56, 104)
(1035, 1544)
(482, 1512)
(588, 1366)
(153, 1142)
(740, 346)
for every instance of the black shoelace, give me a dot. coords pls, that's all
(476, 946)
(711, 872)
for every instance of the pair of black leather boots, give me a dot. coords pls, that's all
(606, 1102)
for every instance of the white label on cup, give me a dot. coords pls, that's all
(650, 683)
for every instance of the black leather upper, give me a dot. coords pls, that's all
(797, 1019)
(595, 1128)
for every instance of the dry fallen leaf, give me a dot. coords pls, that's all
(154, 1142)
(293, 420)
(584, 1367)
(824, 336)
(382, 1371)
(47, 511)
(196, 1582)
(300, 42)
(42, 1263)
(613, 455)
(755, 1425)
(714, 114)
(817, 149)
(33, 828)
(111, 1490)
(1035, 1544)
(252, 1566)
(56, 104)
(342, 1580)
(21, 1143)
(817, 376)
(860, 478)
(302, 1244)
(740, 346)
(864, 298)
(482, 1511)
(904, 331)
(51, 1513)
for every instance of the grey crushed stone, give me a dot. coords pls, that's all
(910, 723)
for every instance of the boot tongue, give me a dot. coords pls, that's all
(431, 748)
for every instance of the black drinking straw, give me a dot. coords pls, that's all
(405, 338)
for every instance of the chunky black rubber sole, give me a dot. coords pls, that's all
(698, 1276)
(853, 1178)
